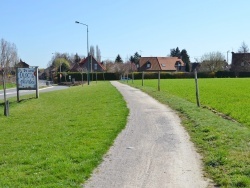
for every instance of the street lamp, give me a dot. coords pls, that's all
(87, 48)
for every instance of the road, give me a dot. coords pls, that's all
(153, 151)
(13, 93)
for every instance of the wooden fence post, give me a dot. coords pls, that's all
(159, 78)
(197, 88)
(142, 79)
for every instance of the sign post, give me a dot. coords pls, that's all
(27, 79)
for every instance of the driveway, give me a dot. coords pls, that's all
(153, 151)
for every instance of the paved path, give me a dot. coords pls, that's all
(153, 151)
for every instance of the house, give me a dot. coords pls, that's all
(168, 64)
(94, 66)
(240, 62)
(22, 64)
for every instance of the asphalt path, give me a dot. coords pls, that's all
(153, 151)
(13, 93)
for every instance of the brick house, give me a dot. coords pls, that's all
(94, 65)
(168, 64)
(240, 62)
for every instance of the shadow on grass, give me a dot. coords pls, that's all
(15, 102)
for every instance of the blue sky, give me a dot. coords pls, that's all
(152, 28)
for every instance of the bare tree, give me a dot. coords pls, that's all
(212, 62)
(8, 58)
(82, 70)
(243, 48)
(108, 65)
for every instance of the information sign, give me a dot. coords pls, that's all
(27, 78)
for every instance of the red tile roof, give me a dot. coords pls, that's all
(83, 61)
(160, 63)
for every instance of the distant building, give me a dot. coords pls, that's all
(168, 64)
(22, 64)
(94, 65)
(240, 62)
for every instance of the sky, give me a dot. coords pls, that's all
(151, 28)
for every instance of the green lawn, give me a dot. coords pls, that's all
(224, 144)
(58, 139)
(227, 95)
(8, 85)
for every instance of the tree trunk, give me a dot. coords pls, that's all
(4, 93)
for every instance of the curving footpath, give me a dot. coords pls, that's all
(153, 151)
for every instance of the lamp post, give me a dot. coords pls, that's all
(87, 47)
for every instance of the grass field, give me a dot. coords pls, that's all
(229, 96)
(224, 144)
(8, 85)
(58, 139)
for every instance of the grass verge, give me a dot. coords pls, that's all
(224, 145)
(58, 139)
(8, 85)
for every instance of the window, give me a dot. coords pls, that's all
(242, 64)
(148, 65)
(95, 66)
(163, 65)
(178, 65)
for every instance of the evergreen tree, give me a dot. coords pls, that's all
(98, 54)
(175, 52)
(136, 58)
(118, 59)
(92, 51)
(185, 59)
(77, 59)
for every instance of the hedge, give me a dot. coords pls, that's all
(100, 76)
(153, 75)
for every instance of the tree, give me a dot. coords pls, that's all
(98, 54)
(82, 70)
(118, 59)
(8, 58)
(92, 51)
(77, 58)
(109, 65)
(185, 59)
(175, 52)
(243, 48)
(213, 62)
(61, 64)
(58, 55)
(135, 59)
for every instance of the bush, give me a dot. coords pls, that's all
(153, 75)
(225, 74)
(244, 74)
(100, 76)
